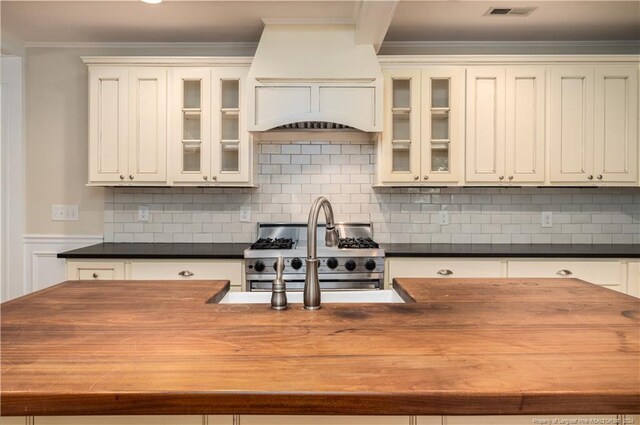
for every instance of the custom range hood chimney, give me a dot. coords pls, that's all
(314, 76)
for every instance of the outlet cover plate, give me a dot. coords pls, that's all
(143, 213)
(443, 218)
(547, 219)
(245, 214)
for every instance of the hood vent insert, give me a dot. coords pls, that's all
(314, 125)
(510, 11)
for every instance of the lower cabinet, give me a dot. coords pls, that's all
(15, 420)
(93, 270)
(633, 282)
(610, 274)
(445, 267)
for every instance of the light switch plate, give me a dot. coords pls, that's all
(65, 213)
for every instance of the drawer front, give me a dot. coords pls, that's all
(444, 268)
(323, 420)
(120, 420)
(92, 270)
(214, 269)
(605, 273)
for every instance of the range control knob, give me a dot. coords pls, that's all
(332, 263)
(259, 266)
(370, 264)
(296, 263)
(350, 265)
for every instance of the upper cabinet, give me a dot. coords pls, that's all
(505, 132)
(594, 124)
(208, 118)
(167, 125)
(127, 125)
(422, 115)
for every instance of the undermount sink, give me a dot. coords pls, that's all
(327, 297)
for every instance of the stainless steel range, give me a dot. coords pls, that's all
(356, 263)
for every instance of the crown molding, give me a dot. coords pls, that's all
(142, 45)
(169, 60)
(412, 60)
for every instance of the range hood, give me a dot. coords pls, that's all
(314, 73)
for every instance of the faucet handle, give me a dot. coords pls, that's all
(279, 288)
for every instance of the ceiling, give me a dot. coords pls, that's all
(240, 21)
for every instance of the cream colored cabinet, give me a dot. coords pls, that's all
(529, 419)
(324, 420)
(120, 420)
(231, 270)
(421, 139)
(15, 420)
(505, 125)
(442, 267)
(633, 280)
(127, 125)
(593, 117)
(608, 273)
(95, 270)
(209, 140)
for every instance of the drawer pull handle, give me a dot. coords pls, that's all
(564, 272)
(185, 273)
(95, 275)
(445, 272)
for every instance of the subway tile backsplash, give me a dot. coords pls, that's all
(291, 175)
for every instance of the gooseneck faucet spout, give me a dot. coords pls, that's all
(311, 283)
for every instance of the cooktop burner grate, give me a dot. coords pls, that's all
(268, 243)
(357, 243)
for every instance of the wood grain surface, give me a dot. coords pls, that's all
(465, 346)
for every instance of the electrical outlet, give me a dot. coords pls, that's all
(65, 213)
(143, 213)
(443, 218)
(547, 219)
(245, 214)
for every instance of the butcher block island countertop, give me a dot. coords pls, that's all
(465, 346)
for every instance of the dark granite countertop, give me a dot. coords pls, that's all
(159, 250)
(236, 250)
(513, 250)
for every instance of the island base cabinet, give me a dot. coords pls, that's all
(530, 420)
(324, 420)
(120, 420)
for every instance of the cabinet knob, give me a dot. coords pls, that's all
(590, 177)
(121, 177)
(599, 176)
(501, 177)
(445, 272)
(95, 275)
(185, 273)
(426, 177)
(214, 178)
(510, 177)
(205, 177)
(130, 176)
(416, 177)
(564, 272)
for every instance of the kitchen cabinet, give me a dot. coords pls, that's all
(231, 270)
(421, 140)
(127, 125)
(120, 420)
(442, 268)
(95, 270)
(611, 274)
(324, 420)
(505, 132)
(209, 140)
(633, 280)
(15, 420)
(593, 124)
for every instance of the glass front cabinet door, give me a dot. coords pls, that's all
(210, 141)
(421, 138)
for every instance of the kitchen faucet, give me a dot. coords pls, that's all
(311, 284)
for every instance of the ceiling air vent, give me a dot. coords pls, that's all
(509, 11)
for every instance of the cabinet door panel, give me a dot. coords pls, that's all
(571, 120)
(108, 130)
(400, 147)
(323, 420)
(611, 274)
(443, 268)
(616, 123)
(485, 139)
(525, 132)
(148, 125)
(119, 420)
